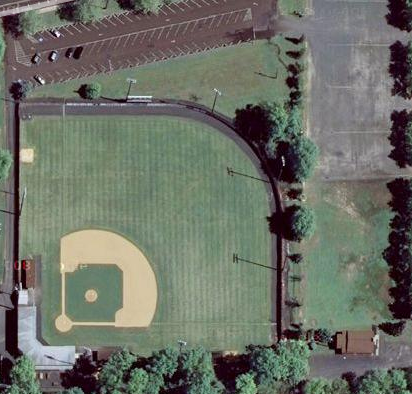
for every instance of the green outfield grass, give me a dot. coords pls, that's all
(247, 73)
(106, 280)
(344, 278)
(162, 183)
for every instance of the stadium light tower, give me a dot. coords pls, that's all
(131, 81)
(217, 93)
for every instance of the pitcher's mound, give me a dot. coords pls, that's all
(91, 295)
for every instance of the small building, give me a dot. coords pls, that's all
(362, 342)
(28, 274)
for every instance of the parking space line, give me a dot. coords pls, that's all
(85, 27)
(170, 8)
(118, 18)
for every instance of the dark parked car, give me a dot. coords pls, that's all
(36, 59)
(54, 55)
(78, 52)
(69, 52)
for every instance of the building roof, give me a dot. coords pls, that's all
(356, 342)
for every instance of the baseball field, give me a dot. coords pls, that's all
(134, 222)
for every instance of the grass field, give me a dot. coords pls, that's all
(162, 183)
(247, 73)
(293, 7)
(106, 280)
(345, 282)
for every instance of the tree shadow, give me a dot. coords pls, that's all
(399, 70)
(398, 138)
(399, 15)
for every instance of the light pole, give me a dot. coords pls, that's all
(217, 93)
(131, 81)
(181, 343)
(283, 165)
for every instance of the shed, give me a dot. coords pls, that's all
(357, 342)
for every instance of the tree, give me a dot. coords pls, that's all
(400, 14)
(299, 222)
(401, 138)
(73, 390)
(253, 123)
(317, 386)
(293, 361)
(245, 384)
(154, 384)
(164, 362)
(137, 381)
(23, 377)
(28, 23)
(393, 328)
(6, 160)
(90, 91)
(114, 371)
(264, 366)
(324, 386)
(401, 191)
(323, 335)
(148, 5)
(20, 89)
(199, 377)
(381, 381)
(80, 11)
(21, 24)
(301, 157)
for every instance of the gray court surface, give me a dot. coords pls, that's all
(351, 100)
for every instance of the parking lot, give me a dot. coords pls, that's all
(351, 98)
(131, 39)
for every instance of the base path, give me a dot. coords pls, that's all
(105, 247)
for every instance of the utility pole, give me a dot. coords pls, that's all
(217, 93)
(131, 81)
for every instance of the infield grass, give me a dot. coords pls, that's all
(345, 281)
(247, 73)
(106, 280)
(162, 183)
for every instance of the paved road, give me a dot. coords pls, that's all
(393, 355)
(131, 39)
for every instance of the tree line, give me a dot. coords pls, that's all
(191, 371)
(280, 369)
(84, 11)
(276, 130)
(398, 254)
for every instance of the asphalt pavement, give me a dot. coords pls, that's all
(131, 39)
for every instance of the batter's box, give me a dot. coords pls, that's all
(116, 286)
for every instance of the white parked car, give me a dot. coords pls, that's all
(40, 79)
(56, 33)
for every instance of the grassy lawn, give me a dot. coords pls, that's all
(345, 282)
(50, 19)
(293, 7)
(96, 277)
(162, 183)
(248, 73)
